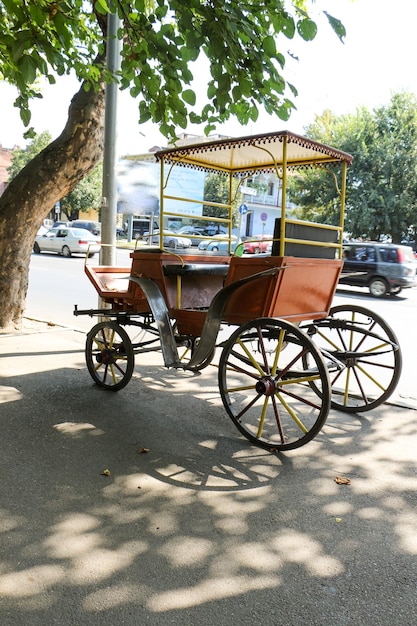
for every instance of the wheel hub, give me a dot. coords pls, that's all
(266, 386)
(105, 357)
(348, 358)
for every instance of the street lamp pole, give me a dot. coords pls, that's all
(109, 187)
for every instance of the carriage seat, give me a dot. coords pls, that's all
(202, 269)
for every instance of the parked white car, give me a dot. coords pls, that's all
(67, 241)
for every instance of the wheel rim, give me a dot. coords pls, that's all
(368, 348)
(66, 251)
(264, 385)
(109, 356)
(378, 288)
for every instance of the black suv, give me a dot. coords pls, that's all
(93, 227)
(383, 268)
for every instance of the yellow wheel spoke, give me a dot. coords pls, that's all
(298, 379)
(368, 375)
(262, 419)
(111, 340)
(328, 340)
(113, 373)
(240, 388)
(378, 347)
(278, 352)
(251, 357)
(292, 413)
(346, 392)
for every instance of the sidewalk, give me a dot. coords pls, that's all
(193, 525)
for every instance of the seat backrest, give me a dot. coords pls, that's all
(306, 232)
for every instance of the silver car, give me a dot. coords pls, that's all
(171, 239)
(67, 241)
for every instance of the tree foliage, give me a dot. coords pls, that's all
(161, 40)
(216, 189)
(87, 193)
(22, 156)
(382, 180)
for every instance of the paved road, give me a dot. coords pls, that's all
(56, 284)
(193, 525)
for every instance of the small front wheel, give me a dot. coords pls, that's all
(266, 388)
(66, 251)
(109, 355)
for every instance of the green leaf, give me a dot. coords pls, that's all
(293, 89)
(211, 90)
(269, 46)
(37, 15)
(236, 92)
(245, 86)
(144, 112)
(27, 67)
(25, 116)
(337, 26)
(254, 114)
(307, 29)
(30, 133)
(189, 97)
(101, 7)
(135, 91)
(18, 47)
(288, 27)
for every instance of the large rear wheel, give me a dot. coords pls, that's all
(266, 389)
(109, 355)
(368, 353)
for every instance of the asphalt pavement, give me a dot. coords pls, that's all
(191, 524)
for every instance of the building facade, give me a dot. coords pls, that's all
(5, 162)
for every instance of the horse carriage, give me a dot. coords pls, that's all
(284, 355)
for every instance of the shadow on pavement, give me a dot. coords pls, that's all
(193, 524)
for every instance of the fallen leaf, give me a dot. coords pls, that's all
(143, 450)
(105, 472)
(341, 480)
(338, 519)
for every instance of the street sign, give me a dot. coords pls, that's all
(264, 217)
(243, 209)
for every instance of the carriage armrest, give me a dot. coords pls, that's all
(206, 269)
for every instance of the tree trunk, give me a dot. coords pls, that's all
(52, 174)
